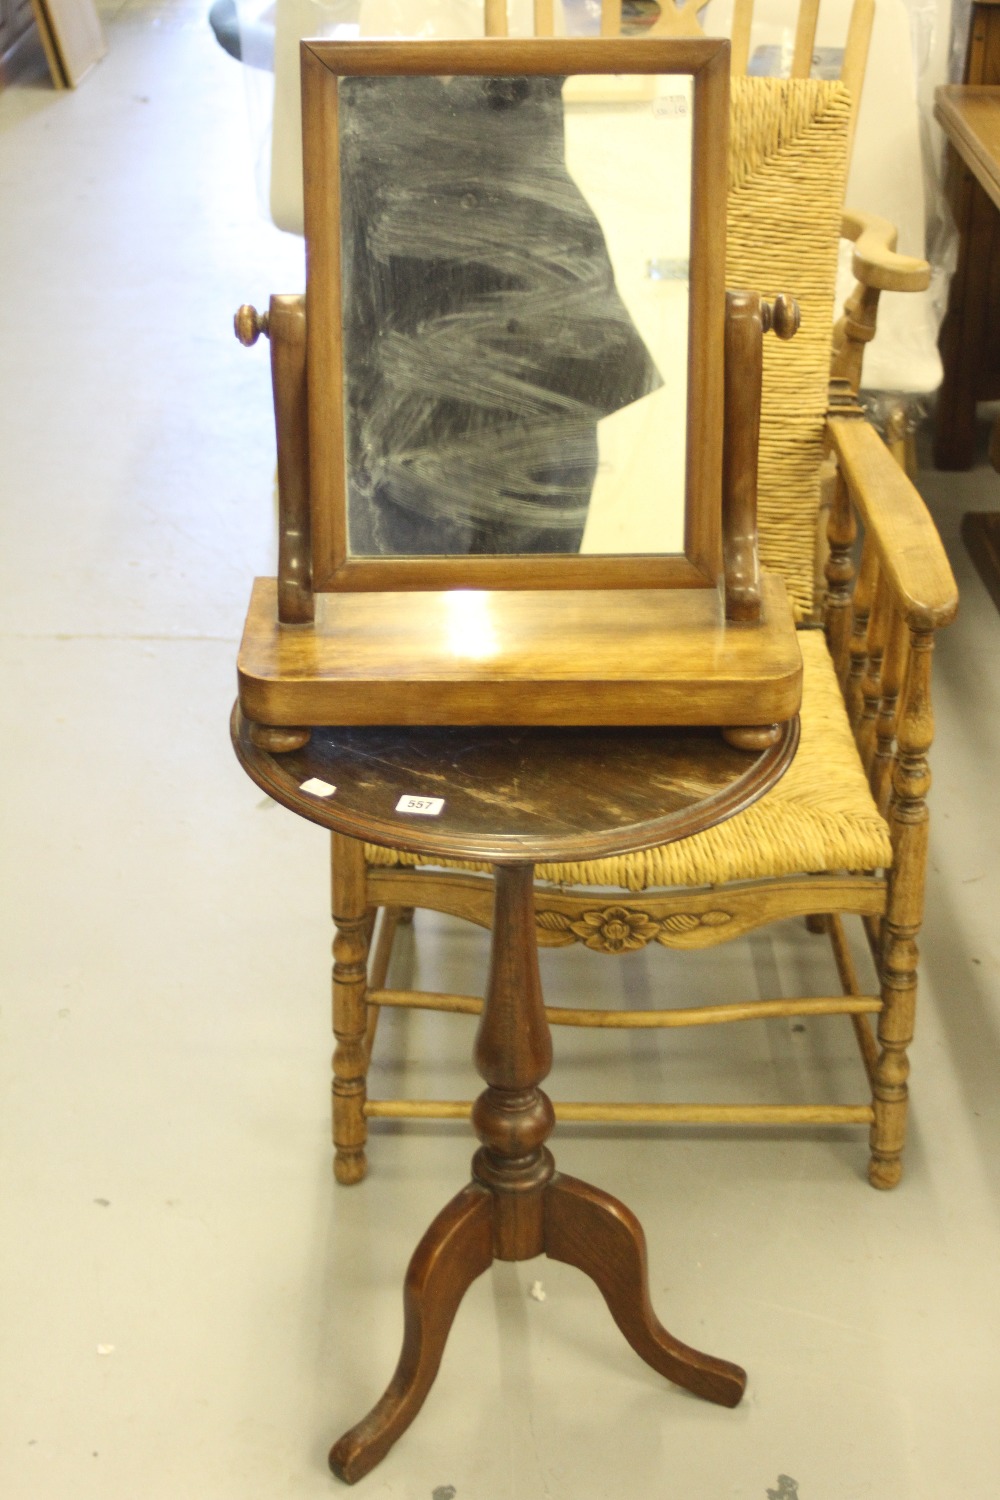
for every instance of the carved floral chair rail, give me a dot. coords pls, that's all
(844, 834)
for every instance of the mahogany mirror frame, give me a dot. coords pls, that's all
(700, 564)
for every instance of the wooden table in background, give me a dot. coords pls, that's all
(970, 339)
(970, 335)
(514, 797)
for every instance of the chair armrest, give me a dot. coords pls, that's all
(875, 262)
(913, 561)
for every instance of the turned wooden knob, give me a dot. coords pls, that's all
(249, 324)
(781, 316)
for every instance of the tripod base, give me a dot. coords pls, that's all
(580, 1225)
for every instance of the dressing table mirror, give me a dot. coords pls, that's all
(516, 410)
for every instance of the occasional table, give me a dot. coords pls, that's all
(514, 797)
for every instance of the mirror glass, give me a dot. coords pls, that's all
(514, 275)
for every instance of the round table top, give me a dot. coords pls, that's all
(515, 795)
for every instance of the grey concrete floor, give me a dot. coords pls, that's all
(190, 1307)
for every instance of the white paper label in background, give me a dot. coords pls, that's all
(317, 788)
(428, 807)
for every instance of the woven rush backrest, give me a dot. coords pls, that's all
(787, 165)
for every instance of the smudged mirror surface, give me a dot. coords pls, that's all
(514, 276)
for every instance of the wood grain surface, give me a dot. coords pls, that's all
(911, 553)
(970, 117)
(512, 795)
(618, 656)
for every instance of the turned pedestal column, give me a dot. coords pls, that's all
(518, 1206)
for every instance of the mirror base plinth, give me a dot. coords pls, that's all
(562, 657)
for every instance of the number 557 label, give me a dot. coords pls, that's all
(427, 807)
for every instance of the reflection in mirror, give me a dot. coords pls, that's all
(514, 263)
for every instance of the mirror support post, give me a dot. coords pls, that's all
(287, 320)
(285, 325)
(748, 318)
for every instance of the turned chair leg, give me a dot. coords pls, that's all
(898, 979)
(352, 934)
(903, 915)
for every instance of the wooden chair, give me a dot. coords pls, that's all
(844, 834)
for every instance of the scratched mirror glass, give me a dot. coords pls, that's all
(514, 263)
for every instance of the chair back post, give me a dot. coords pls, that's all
(544, 17)
(842, 532)
(894, 667)
(495, 17)
(805, 39)
(857, 649)
(739, 38)
(855, 60)
(871, 687)
(611, 17)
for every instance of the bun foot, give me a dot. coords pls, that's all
(885, 1172)
(349, 1167)
(755, 737)
(278, 740)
